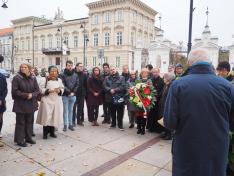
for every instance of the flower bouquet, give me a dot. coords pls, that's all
(142, 96)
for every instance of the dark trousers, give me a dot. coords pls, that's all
(93, 113)
(32, 122)
(1, 120)
(78, 110)
(117, 111)
(141, 123)
(106, 110)
(23, 127)
(131, 116)
(48, 130)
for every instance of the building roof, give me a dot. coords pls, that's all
(6, 31)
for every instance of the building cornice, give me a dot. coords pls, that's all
(30, 18)
(107, 3)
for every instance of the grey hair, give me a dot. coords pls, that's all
(169, 76)
(198, 55)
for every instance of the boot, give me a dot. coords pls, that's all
(45, 132)
(52, 134)
(142, 130)
(139, 128)
(65, 128)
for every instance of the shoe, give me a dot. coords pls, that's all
(44, 136)
(138, 131)
(65, 128)
(131, 126)
(142, 132)
(102, 115)
(33, 134)
(108, 122)
(71, 128)
(168, 137)
(53, 135)
(121, 129)
(24, 144)
(112, 126)
(31, 141)
(80, 123)
(104, 121)
(96, 124)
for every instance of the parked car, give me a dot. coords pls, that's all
(5, 73)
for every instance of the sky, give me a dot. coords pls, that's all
(175, 15)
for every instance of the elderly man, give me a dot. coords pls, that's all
(198, 108)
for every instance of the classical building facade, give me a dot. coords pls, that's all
(6, 43)
(109, 34)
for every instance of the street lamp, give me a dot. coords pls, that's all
(86, 40)
(60, 29)
(4, 4)
(190, 26)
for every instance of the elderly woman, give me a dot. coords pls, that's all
(141, 120)
(50, 112)
(25, 91)
(95, 95)
(167, 79)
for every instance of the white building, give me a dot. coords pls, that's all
(208, 42)
(231, 53)
(6, 36)
(114, 26)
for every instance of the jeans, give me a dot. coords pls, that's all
(68, 103)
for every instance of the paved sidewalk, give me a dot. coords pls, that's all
(87, 151)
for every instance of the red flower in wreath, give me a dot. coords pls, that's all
(146, 91)
(131, 92)
(146, 102)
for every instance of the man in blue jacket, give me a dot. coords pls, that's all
(198, 109)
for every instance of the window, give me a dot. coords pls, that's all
(95, 39)
(134, 16)
(107, 39)
(42, 43)
(66, 40)
(50, 42)
(75, 42)
(107, 17)
(28, 45)
(119, 15)
(117, 61)
(132, 38)
(94, 61)
(119, 38)
(36, 44)
(58, 42)
(105, 59)
(22, 45)
(95, 19)
(50, 61)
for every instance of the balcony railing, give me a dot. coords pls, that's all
(54, 51)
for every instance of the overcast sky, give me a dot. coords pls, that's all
(175, 15)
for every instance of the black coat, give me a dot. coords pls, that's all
(22, 85)
(70, 81)
(94, 85)
(198, 108)
(115, 82)
(3, 92)
(82, 89)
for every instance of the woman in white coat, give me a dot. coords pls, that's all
(50, 112)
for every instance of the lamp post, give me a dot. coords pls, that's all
(60, 29)
(190, 26)
(86, 40)
(4, 4)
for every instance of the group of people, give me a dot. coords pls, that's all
(196, 105)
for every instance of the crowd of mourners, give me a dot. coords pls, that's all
(195, 102)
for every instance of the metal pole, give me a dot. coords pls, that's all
(33, 43)
(190, 26)
(84, 48)
(61, 47)
(12, 54)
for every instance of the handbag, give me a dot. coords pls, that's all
(117, 99)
